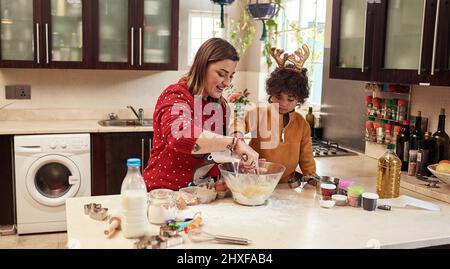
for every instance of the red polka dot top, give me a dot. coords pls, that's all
(176, 129)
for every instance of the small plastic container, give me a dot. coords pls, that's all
(326, 203)
(339, 199)
(354, 195)
(327, 190)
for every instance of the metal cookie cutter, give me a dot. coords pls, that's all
(157, 241)
(167, 230)
(96, 211)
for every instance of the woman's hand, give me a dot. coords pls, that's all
(248, 155)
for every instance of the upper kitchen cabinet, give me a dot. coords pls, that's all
(19, 28)
(410, 43)
(136, 34)
(90, 34)
(65, 33)
(157, 34)
(352, 39)
(44, 33)
(404, 41)
(441, 64)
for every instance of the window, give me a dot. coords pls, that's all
(202, 26)
(309, 17)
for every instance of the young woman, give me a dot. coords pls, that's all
(190, 117)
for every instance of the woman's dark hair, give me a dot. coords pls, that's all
(288, 80)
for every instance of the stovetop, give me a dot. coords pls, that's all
(328, 148)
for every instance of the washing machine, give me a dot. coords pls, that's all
(48, 170)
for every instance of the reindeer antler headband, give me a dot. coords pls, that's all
(298, 58)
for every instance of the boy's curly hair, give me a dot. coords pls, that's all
(288, 80)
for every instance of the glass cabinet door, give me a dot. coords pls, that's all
(17, 32)
(157, 31)
(67, 30)
(404, 34)
(352, 33)
(113, 31)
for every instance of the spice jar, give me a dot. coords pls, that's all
(162, 206)
(354, 195)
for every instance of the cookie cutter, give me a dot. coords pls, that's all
(158, 242)
(96, 211)
(167, 230)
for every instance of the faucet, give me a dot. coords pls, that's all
(139, 115)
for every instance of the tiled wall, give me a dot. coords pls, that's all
(430, 100)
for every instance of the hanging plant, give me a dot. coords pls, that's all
(263, 10)
(222, 3)
(242, 31)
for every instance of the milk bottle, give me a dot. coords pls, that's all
(134, 202)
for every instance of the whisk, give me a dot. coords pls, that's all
(201, 236)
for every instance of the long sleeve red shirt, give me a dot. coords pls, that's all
(171, 163)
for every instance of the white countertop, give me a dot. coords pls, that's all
(289, 219)
(63, 126)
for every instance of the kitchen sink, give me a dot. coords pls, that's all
(126, 122)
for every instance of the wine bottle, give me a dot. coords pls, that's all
(402, 147)
(416, 134)
(440, 141)
(310, 120)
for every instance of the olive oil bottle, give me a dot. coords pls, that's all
(389, 171)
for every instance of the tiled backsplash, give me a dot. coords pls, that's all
(430, 100)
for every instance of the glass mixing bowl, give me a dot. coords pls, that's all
(249, 188)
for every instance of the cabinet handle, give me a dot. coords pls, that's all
(421, 38)
(142, 155)
(38, 44)
(46, 43)
(140, 45)
(364, 39)
(132, 45)
(433, 60)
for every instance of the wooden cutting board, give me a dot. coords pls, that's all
(413, 184)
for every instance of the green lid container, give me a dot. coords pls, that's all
(355, 191)
(391, 146)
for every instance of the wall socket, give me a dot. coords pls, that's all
(18, 92)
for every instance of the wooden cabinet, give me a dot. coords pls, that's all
(6, 181)
(352, 39)
(46, 34)
(136, 34)
(110, 152)
(400, 42)
(90, 34)
(441, 65)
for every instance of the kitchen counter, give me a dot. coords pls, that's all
(289, 219)
(64, 126)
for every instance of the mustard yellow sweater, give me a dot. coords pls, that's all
(290, 149)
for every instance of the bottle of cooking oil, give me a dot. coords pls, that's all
(389, 170)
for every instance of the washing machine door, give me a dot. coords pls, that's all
(52, 179)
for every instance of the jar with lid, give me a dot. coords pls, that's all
(162, 206)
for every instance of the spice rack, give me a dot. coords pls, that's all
(387, 106)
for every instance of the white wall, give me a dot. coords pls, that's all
(115, 89)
